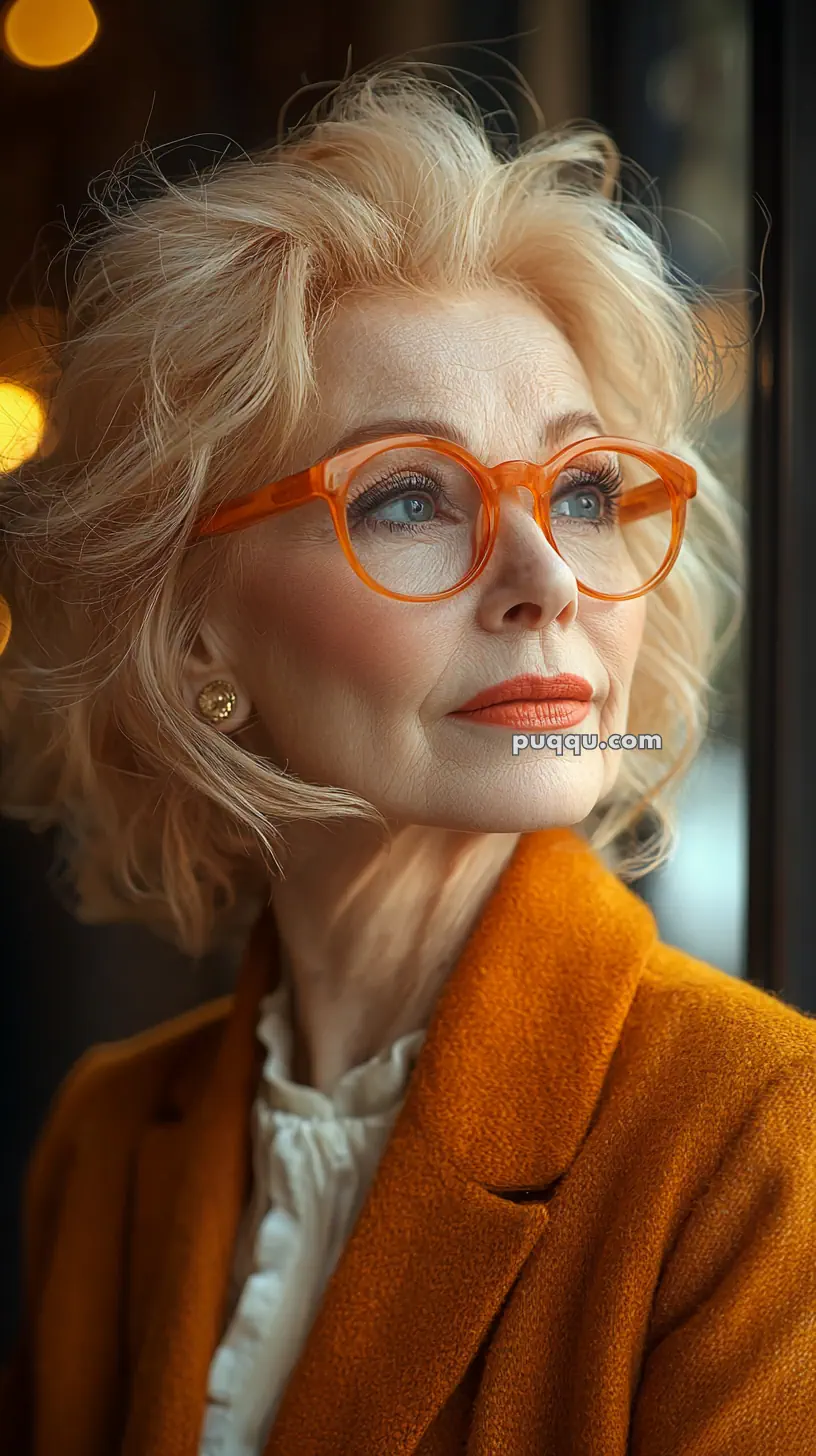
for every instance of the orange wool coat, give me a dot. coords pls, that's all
(592, 1232)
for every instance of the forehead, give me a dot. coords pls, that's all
(468, 352)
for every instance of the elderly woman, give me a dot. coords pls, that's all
(372, 526)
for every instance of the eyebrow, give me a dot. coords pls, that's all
(554, 432)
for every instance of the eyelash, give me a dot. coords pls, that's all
(389, 488)
(607, 480)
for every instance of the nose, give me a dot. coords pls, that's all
(526, 581)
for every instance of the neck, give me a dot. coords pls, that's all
(369, 933)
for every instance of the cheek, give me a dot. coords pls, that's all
(627, 634)
(615, 630)
(314, 626)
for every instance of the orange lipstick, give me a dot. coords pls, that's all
(531, 702)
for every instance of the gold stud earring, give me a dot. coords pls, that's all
(216, 701)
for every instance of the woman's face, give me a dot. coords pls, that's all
(353, 689)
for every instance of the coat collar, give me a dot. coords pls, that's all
(501, 1097)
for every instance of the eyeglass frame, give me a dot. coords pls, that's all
(330, 478)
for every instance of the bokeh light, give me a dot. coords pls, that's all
(5, 625)
(22, 424)
(48, 32)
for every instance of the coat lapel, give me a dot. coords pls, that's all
(212, 1139)
(501, 1097)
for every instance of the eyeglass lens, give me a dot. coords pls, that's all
(417, 522)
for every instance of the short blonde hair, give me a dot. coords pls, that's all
(188, 348)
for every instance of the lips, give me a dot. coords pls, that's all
(530, 688)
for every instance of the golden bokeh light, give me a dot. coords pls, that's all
(48, 32)
(22, 424)
(5, 625)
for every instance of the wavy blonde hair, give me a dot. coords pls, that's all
(188, 348)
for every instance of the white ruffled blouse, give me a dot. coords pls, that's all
(314, 1157)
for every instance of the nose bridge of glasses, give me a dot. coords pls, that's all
(515, 475)
(517, 478)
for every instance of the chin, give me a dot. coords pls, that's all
(529, 807)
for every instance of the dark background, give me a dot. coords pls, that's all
(211, 77)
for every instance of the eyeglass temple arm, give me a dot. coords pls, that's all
(295, 490)
(644, 500)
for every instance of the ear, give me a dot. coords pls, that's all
(209, 661)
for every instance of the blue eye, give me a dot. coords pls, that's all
(594, 493)
(391, 510)
(400, 502)
(587, 506)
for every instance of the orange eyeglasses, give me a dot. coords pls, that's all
(418, 517)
